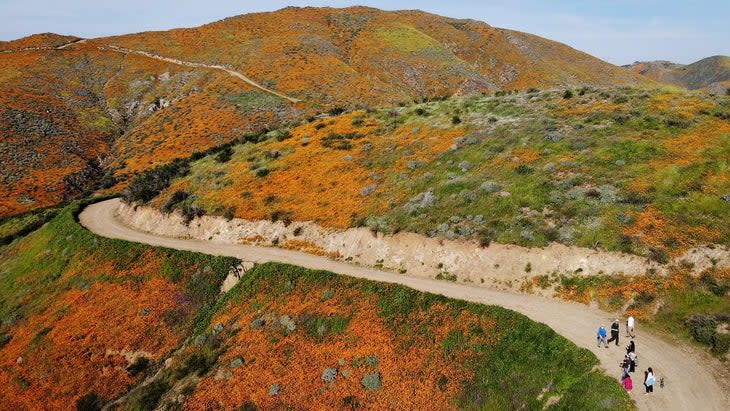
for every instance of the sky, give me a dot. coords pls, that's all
(618, 31)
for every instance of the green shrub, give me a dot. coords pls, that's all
(146, 186)
(89, 402)
(455, 120)
(568, 94)
(721, 344)
(176, 198)
(702, 327)
(224, 155)
(140, 365)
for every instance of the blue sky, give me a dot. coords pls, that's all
(619, 31)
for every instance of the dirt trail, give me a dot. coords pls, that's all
(123, 50)
(693, 380)
(199, 65)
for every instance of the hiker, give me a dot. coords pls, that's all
(631, 347)
(649, 381)
(630, 326)
(625, 366)
(627, 383)
(614, 332)
(632, 361)
(601, 336)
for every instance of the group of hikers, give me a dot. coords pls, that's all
(628, 365)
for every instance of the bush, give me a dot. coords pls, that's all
(140, 365)
(177, 197)
(336, 111)
(146, 186)
(224, 155)
(702, 327)
(568, 94)
(89, 402)
(191, 212)
(721, 344)
(339, 141)
(455, 120)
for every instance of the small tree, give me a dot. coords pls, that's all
(568, 94)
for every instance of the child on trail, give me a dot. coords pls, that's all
(649, 381)
(614, 332)
(630, 326)
(627, 383)
(601, 336)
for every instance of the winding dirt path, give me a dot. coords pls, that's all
(117, 49)
(692, 384)
(199, 65)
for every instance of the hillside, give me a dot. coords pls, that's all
(712, 73)
(80, 114)
(98, 316)
(644, 172)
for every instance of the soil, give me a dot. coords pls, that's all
(414, 254)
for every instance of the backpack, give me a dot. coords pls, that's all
(650, 380)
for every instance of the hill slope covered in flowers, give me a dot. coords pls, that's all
(77, 115)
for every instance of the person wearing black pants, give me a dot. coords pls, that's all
(614, 332)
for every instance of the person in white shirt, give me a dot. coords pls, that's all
(630, 327)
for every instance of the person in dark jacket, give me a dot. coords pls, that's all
(631, 347)
(614, 332)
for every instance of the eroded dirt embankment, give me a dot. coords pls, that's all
(410, 253)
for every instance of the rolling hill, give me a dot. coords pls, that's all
(78, 114)
(711, 73)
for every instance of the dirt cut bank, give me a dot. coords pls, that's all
(410, 253)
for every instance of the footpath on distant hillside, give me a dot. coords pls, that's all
(117, 49)
(691, 381)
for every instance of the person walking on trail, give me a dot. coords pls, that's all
(630, 326)
(627, 383)
(625, 367)
(649, 381)
(632, 361)
(614, 332)
(601, 336)
(631, 347)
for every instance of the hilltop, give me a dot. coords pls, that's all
(711, 73)
(78, 114)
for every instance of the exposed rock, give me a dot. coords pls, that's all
(274, 389)
(465, 166)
